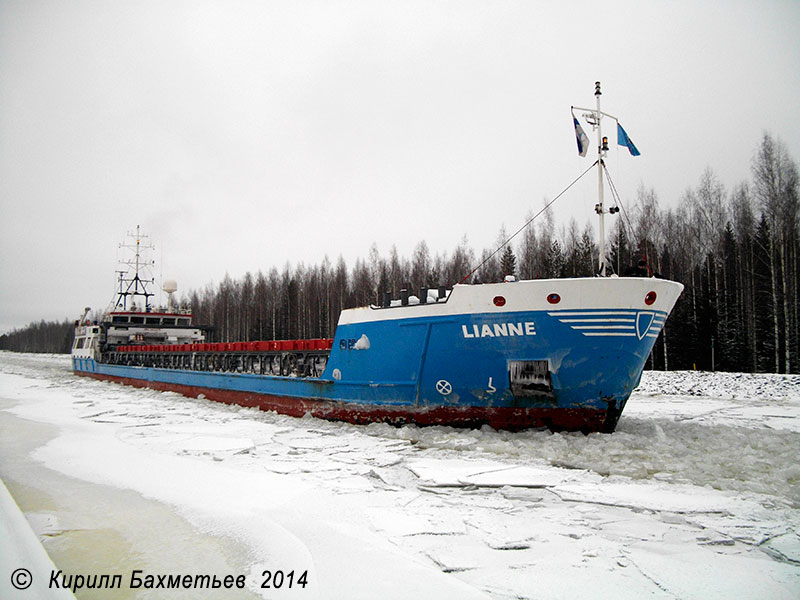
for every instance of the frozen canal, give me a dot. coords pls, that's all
(697, 495)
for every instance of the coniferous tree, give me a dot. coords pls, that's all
(508, 263)
(620, 256)
(527, 252)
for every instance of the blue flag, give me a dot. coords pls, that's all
(581, 137)
(624, 140)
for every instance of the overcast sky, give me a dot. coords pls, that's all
(244, 134)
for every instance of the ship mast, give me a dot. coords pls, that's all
(594, 117)
(602, 150)
(135, 285)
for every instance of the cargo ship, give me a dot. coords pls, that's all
(564, 354)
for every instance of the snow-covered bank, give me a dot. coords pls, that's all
(695, 496)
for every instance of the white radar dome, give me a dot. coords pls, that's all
(170, 286)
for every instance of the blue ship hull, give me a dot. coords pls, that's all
(563, 354)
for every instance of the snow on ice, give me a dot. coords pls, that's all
(697, 494)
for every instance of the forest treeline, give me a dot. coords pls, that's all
(737, 251)
(45, 336)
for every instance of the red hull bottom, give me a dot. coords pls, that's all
(586, 420)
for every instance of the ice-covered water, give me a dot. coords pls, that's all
(721, 456)
(696, 495)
